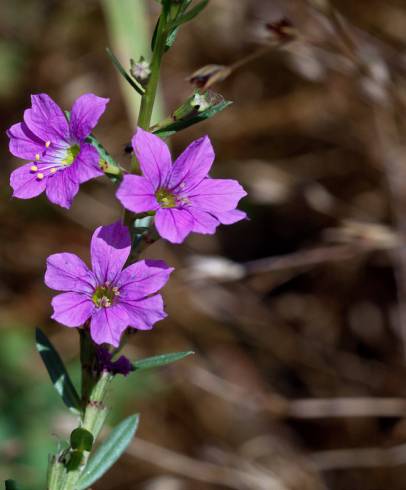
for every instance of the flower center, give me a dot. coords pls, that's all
(71, 153)
(165, 198)
(105, 295)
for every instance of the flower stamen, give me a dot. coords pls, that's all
(33, 168)
(104, 295)
(71, 153)
(165, 198)
(40, 176)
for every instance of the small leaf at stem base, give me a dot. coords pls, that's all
(109, 452)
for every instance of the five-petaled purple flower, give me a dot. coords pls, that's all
(60, 159)
(184, 197)
(112, 298)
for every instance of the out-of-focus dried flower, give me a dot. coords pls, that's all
(282, 31)
(208, 75)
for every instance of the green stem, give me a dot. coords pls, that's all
(61, 475)
(148, 99)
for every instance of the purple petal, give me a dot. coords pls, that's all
(137, 194)
(216, 195)
(143, 279)
(72, 309)
(193, 165)
(86, 112)
(144, 313)
(108, 324)
(174, 224)
(24, 143)
(110, 249)
(25, 183)
(86, 165)
(230, 217)
(203, 222)
(62, 187)
(154, 157)
(67, 272)
(46, 119)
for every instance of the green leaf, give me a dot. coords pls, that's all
(134, 84)
(162, 360)
(190, 14)
(175, 126)
(57, 372)
(109, 452)
(11, 485)
(75, 460)
(171, 38)
(81, 439)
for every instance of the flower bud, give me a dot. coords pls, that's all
(140, 70)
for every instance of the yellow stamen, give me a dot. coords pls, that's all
(40, 176)
(47, 144)
(33, 168)
(37, 157)
(53, 170)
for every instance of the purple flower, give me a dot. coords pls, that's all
(60, 159)
(184, 197)
(112, 298)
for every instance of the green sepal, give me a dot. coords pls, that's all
(57, 372)
(107, 163)
(119, 67)
(81, 439)
(161, 360)
(109, 452)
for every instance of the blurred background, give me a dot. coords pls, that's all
(297, 315)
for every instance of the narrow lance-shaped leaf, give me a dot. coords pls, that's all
(109, 452)
(135, 85)
(190, 14)
(161, 360)
(168, 128)
(57, 371)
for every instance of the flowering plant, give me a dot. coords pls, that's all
(119, 292)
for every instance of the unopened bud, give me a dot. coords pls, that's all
(140, 70)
